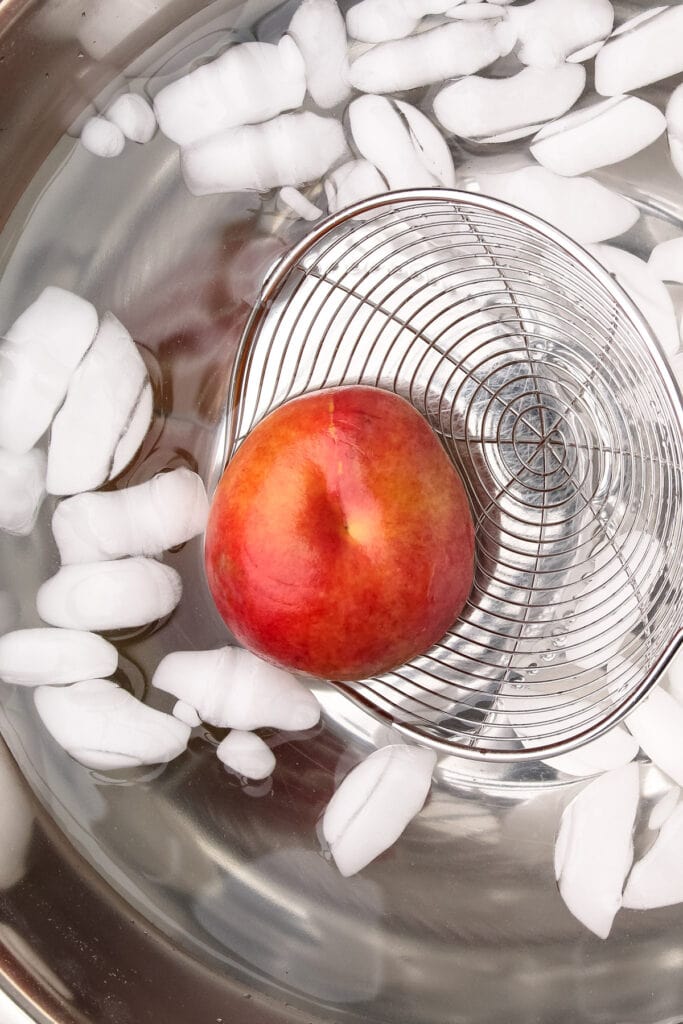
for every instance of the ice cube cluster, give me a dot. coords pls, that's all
(129, 116)
(478, 74)
(65, 371)
(321, 113)
(82, 378)
(76, 402)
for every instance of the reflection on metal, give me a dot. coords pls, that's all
(553, 400)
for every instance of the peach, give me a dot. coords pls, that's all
(340, 541)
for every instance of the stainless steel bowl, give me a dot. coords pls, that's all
(187, 897)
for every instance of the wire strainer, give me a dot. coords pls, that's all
(552, 398)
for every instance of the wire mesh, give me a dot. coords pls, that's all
(553, 400)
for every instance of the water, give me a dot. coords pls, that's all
(233, 873)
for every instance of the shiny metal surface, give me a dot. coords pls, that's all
(551, 396)
(180, 895)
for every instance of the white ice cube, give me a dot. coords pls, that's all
(676, 150)
(43, 348)
(674, 124)
(147, 519)
(294, 200)
(101, 596)
(666, 260)
(318, 30)
(664, 808)
(548, 31)
(351, 182)
(246, 754)
(22, 489)
(375, 803)
(613, 750)
(134, 116)
(102, 137)
(292, 149)
(643, 286)
(657, 879)
(376, 21)
(657, 724)
(603, 133)
(428, 144)
(594, 848)
(499, 109)
(233, 689)
(135, 433)
(400, 142)
(102, 397)
(249, 83)
(105, 727)
(581, 207)
(35, 657)
(185, 713)
(642, 51)
(476, 12)
(458, 48)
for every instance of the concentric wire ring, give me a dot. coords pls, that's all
(552, 398)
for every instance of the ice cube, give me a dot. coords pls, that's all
(289, 150)
(458, 48)
(657, 879)
(547, 36)
(249, 83)
(657, 724)
(233, 689)
(499, 109)
(246, 754)
(643, 286)
(594, 848)
(664, 808)
(476, 12)
(375, 803)
(318, 30)
(105, 727)
(674, 124)
(102, 137)
(134, 116)
(666, 260)
(103, 395)
(352, 182)
(102, 596)
(581, 207)
(404, 145)
(376, 21)
(35, 657)
(22, 489)
(134, 433)
(599, 134)
(644, 50)
(613, 750)
(185, 713)
(144, 520)
(43, 348)
(294, 200)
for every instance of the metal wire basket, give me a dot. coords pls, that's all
(551, 396)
